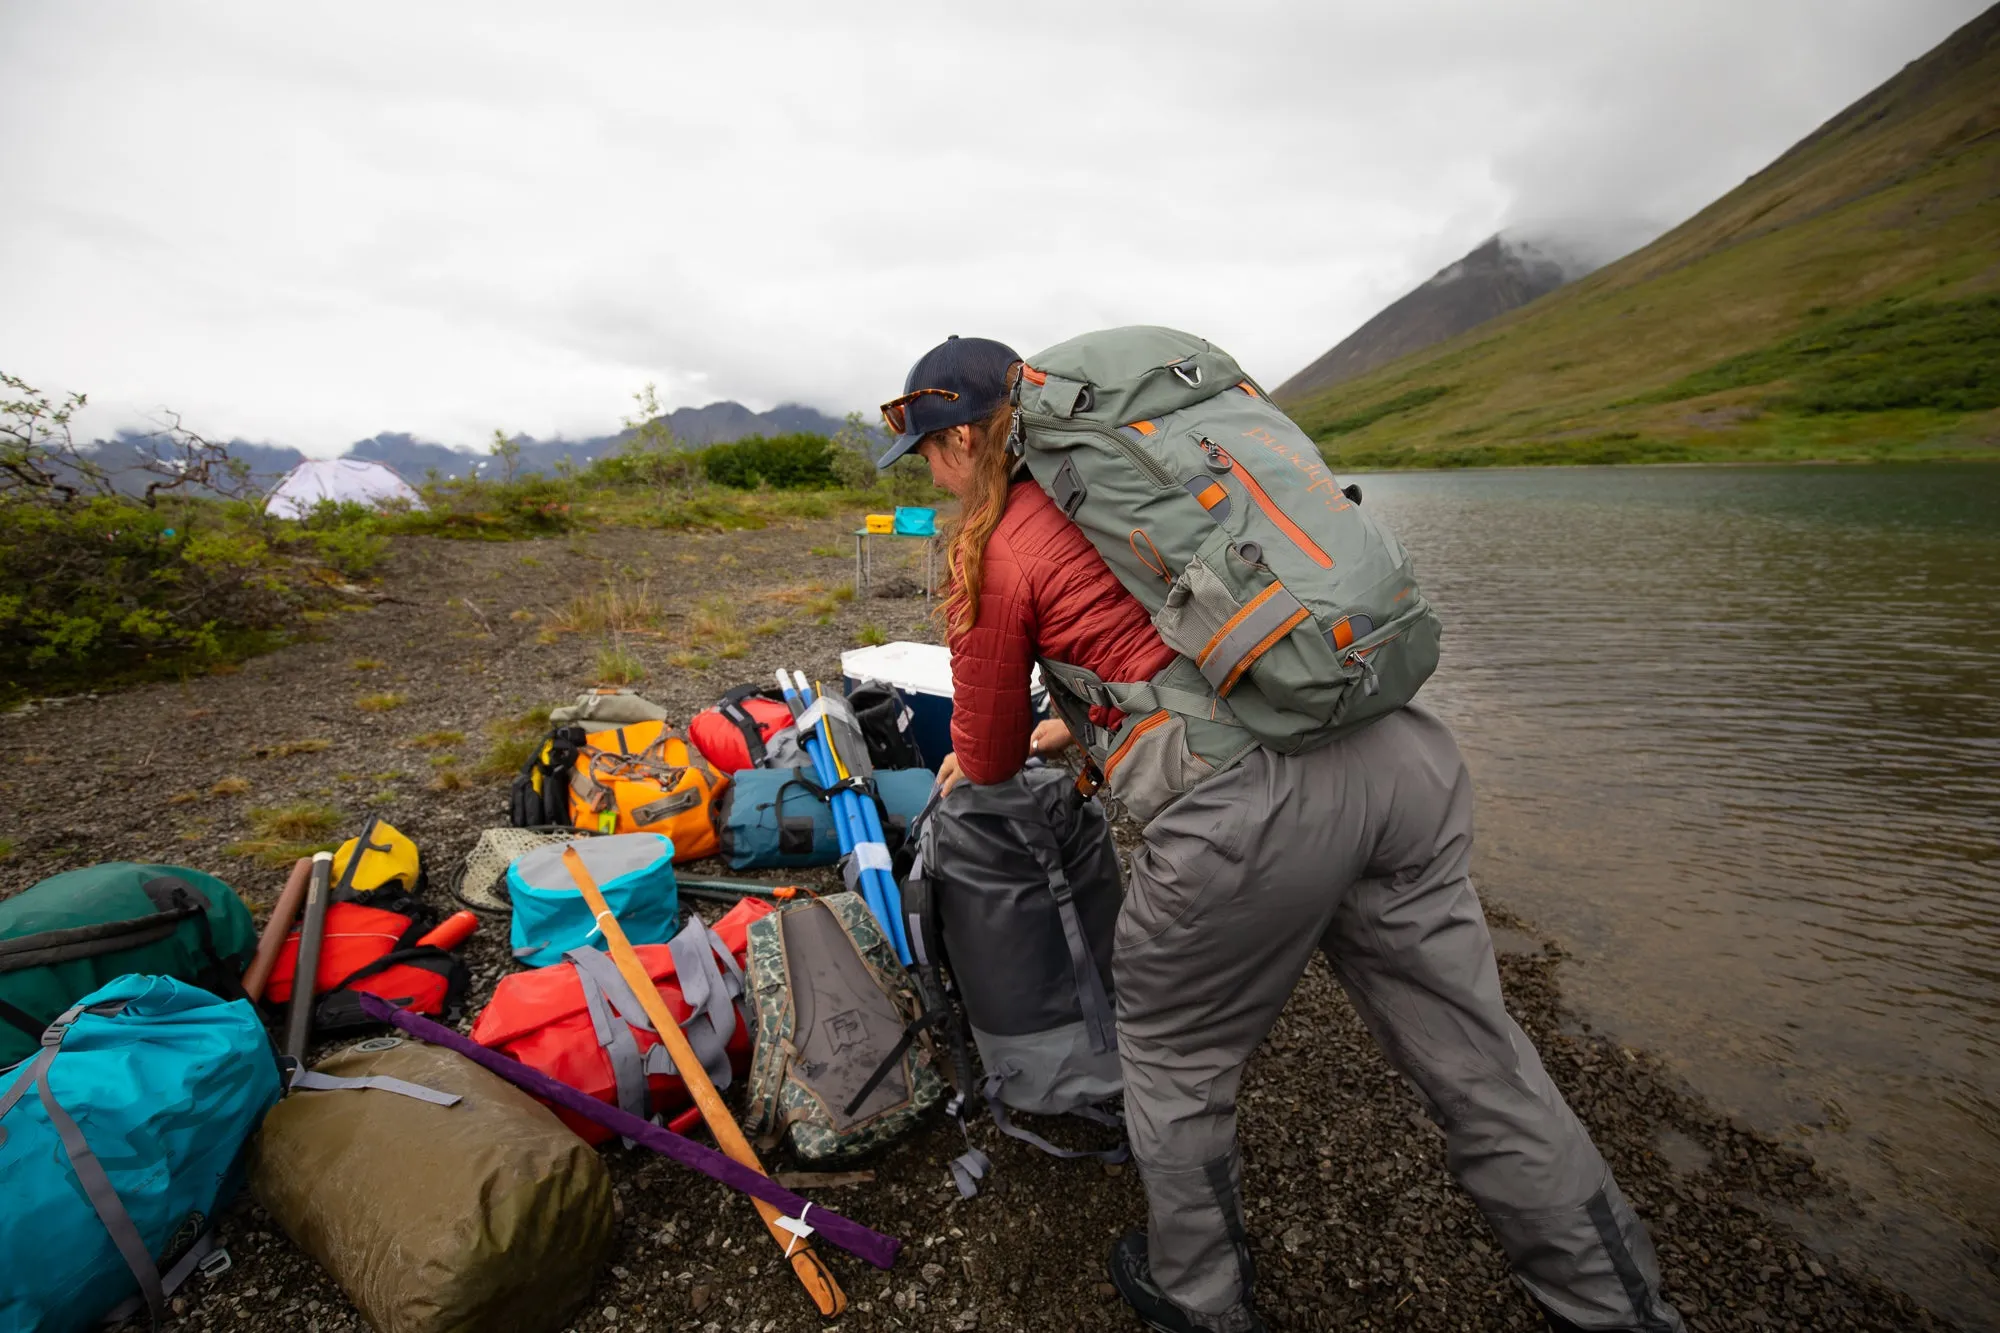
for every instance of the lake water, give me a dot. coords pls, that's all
(1736, 739)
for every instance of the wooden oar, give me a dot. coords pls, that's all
(277, 929)
(811, 1269)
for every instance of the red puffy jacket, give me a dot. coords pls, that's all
(1047, 593)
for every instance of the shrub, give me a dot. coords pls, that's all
(785, 462)
(466, 507)
(103, 582)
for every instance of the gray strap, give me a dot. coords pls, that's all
(26, 1079)
(601, 980)
(1278, 611)
(197, 1259)
(97, 1187)
(998, 1109)
(308, 1080)
(1094, 1004)
(708, 993)
(1097, 1017)
(968, 1169)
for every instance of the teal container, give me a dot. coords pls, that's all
(634, 872)
(915, 522)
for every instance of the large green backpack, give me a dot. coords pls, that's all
(74, 932)
(1297, 615)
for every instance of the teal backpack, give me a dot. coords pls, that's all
(1297, 615)
(71, 933)
(119, 1143)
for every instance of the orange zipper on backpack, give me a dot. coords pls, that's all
(1270, 507)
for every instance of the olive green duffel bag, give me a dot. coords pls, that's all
(484, 1214)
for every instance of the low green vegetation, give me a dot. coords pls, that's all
(175, 569)
(513, 739)
(1368, 416)
(1940, 355)
(618, 665)
(281, 835)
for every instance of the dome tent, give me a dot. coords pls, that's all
(338, 479)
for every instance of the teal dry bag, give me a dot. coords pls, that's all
(120, 1141)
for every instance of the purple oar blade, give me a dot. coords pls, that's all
(857, 1240)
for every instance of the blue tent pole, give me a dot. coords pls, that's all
(850, 808)
(797, 698)
(871, 827)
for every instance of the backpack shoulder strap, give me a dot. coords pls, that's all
(731, 707)
(90, 1172)
(1030, 823)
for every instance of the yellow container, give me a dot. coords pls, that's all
(881, 523)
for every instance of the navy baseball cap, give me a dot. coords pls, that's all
(959, 381)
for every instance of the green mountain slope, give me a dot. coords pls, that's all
(1842, 303)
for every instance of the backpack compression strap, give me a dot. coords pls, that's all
(731, 707)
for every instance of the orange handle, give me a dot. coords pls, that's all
(453, 931)
(811, 1270)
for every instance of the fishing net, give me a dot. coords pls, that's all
(482, 880)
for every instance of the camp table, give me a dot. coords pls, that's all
(862, 537)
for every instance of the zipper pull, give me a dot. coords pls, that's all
(1217, 460)
(1371, 680)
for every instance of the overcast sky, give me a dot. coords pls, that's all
(310, 223)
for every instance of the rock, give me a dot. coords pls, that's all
(698, 1299)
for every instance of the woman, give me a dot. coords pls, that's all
(1358, 848)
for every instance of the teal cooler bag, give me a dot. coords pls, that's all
(73, 932)
(779, 818)
(119, 1143)
(915, 521)
(634, 871)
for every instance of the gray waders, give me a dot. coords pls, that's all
(1358, 848)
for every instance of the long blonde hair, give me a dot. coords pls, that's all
(978, 516)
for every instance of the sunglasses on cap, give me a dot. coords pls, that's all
(895, 410)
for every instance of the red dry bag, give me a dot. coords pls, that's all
(577, 1022)
(737, 733)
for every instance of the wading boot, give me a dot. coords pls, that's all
(1133, 1276)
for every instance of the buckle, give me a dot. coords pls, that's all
(214, 1264)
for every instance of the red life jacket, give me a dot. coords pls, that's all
(725, 732)
(542, 1018)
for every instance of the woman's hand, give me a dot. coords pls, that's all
(1051, 738)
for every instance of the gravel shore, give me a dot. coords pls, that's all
(1355, 1221)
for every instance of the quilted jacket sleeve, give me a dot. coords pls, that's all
(991, 717)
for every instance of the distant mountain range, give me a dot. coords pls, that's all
(694, 427)
(1502, 273)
